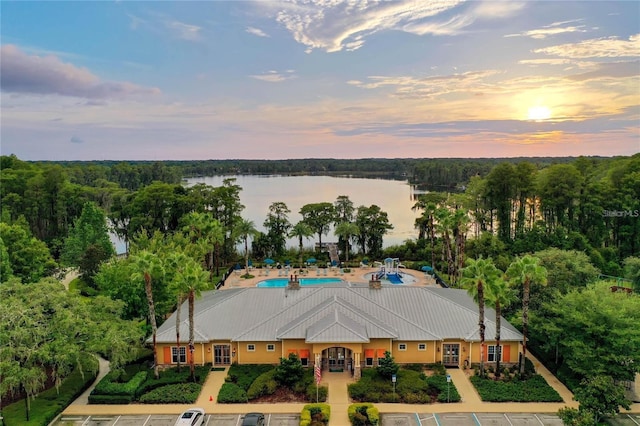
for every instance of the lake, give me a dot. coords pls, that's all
(258, 192)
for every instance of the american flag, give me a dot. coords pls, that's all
(318, 373)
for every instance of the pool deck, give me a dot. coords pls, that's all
(357, 275)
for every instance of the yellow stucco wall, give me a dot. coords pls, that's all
(260, 354)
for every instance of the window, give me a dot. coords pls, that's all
(402, 346)
(174, 354)
(492, 353)
(368, 362)
(271, 347)
(251, 348)
(422, 346)
(304, 362)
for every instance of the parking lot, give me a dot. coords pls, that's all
(169, 420)
(469, 419)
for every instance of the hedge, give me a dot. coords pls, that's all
(171, 377)
(265, 384)
(230, 393)
(48, 404)
(363, 413)
(183, 393)
(110, 399)
(535, 389)
(245, 375)
(108, 385)
(314, 413)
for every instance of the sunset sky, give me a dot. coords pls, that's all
(159, 80)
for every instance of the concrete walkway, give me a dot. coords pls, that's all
(467, 391)
(102, 371)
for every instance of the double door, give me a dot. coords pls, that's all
(451, 354)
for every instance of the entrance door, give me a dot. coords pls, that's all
(451, 354)
(222, 355)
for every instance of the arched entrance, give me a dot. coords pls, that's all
(337, 358)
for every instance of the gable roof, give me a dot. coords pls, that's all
(341, 313)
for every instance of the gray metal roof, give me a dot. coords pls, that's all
(345, 313)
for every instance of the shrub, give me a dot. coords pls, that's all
(363, 414)
(171, 376)
(315, 413)
(534, 389)
(230, 393)
(109, 386)
(50, 403)
(265, 384)
(439, 387)
(110, 399)
(244, 375)
(184, 393)
(321, 393)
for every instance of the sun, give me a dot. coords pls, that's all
(539, 113)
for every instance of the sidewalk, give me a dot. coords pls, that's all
(339, 401)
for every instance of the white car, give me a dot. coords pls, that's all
(191, 417)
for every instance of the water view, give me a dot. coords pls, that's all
(258, 192)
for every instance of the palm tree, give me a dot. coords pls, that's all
(500, 295)
(526, 271)
(475, 275)
(192, 279)
(301, 230)
(176, 262)
(148, 265)
(244, 230)
(346, 230)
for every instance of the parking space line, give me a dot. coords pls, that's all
(87, 419)
(507, 417)
(418, 419)
(208, 418)
(476, 419)
(114, 423)
(536, 416)
(632, 419)
(435, 416)
(147, 421)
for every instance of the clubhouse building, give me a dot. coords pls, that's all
(343, 326)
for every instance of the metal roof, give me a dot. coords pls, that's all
(335, 313)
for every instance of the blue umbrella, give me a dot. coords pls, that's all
(269, 261)
(426, 268)
(311, 260)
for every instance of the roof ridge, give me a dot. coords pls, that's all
(280, 312)
(407, 320)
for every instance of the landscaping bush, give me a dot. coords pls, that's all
(315, 414)
(110, 399)
(265, 384)
(363, 414)
(48, 404)
(110, 386)
(171, 376)
(244, 375)
(322, 392)
(534, 389)
(438, 387)
(184, 393)
(230, 393)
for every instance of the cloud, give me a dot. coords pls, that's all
(498, 9)
(23, 73)
(334, 25)
(257, 32)
(551, 30)
(184, 31)
(75, 139)
(432, 86)
(609, 70)
(607, 47)
(275, 76)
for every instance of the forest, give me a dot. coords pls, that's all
(577, 218)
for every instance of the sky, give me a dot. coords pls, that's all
(270, 79)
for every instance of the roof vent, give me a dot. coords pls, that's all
(294, 283)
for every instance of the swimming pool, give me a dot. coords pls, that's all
(282, 282)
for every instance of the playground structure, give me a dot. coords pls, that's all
(390, 270)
